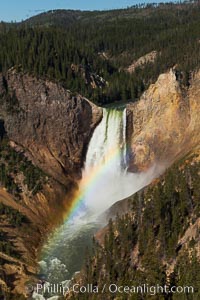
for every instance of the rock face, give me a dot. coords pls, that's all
(142, 61)
(165, 123)
(53, 126)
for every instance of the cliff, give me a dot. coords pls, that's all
(44, 133)
(46, 121)
(164, 124)
(142, 61)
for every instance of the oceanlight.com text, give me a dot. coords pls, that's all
(112, 288)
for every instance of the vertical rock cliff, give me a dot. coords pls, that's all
(164, 124)
(44, 133)
(46, 121)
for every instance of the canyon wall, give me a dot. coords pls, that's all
(164, 125)
(43, 126)
(46, 121)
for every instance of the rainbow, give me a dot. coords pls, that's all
(88, 181)
(76, 203)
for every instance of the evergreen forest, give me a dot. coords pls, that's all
(89, 52)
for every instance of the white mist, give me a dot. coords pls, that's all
(106, 166)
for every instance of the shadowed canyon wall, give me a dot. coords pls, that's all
(50, 128)
(53, 126)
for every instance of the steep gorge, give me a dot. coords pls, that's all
(52, 128)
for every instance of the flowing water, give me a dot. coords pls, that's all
(105, 180)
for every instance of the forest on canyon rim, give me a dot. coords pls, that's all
(89, 52)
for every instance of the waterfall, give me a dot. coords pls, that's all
(124, 139)
(106, 162)
(107, 137)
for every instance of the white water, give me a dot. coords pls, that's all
(105, 180)
(106, 162)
